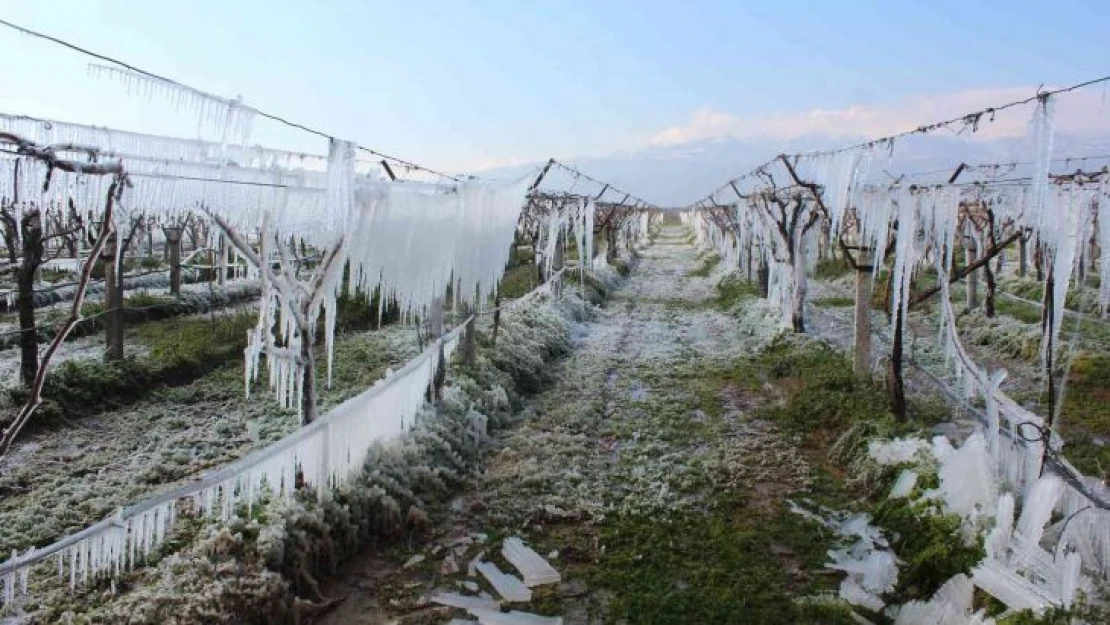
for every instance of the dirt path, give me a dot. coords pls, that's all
(640, 473)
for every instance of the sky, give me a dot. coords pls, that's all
(467, 86)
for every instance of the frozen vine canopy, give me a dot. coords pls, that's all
(411, 241)
(764, 221)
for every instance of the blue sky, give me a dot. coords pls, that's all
(464, 85)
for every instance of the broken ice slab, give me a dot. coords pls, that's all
(455, 600)
(896, 451)
(508, 586)
(951, 605)
(490, 617)
(904, 485)
(535, 569)
(471, 570)
(855, 594)
(876, 572)
(1018, 593)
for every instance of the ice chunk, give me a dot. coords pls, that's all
(472, 566)
(904, 485)
(535, 569)
(1037, 508)
(967, 479)
(1004, 584)
(508, 586)
(854, 594)
(951, 605)
(488, 617)
(1070, 576)
(876, 572)
(998, 541)
(455, 600)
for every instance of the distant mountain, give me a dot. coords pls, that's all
(677, 175)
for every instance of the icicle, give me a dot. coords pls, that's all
(221, 116)
(1103, 199)
(967, 480)
(1043, 130)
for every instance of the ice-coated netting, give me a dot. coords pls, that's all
(1061, 539)
(323, 455)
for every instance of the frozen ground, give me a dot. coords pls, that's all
(628, 430)
(62, 479)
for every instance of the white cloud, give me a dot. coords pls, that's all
(1077, 111)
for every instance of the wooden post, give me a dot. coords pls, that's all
(861, 355)
(748, 265)
(173, 245)
(221, 278)
(971, 249)
(1023, 257)
(559, 251)
(764, 278)
(31, 225)
(308, 391)
(113, 302)
(496, 316)
(895, 383)
(435, 332)
(1038, 259)
(1048, 313)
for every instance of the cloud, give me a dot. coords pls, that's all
(1079, 111)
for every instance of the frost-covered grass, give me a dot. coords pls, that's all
(1083, 298)
(831, 269)
(834, 302)
(265, 567)
(669, 446)
(75, 472)
(709, 262)
(1085, 417)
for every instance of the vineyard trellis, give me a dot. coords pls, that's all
(482, 218)
(909, 223)
(283, 213)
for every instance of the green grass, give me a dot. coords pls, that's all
(181, 350)
(823, 395)
(1085, 418)
(831, 268)
(724, 565)
(708, 264)
(732, 290)
(1021, 311)
(518, 281)
(834, 302)
(741, 556)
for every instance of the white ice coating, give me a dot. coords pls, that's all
(951, 605)
(325, 454)
(904, 485)
(1062, 238)
(410, 239)
(414, 241)
(1002, 467)
(226, 119)
(1103, 221)
(1043, 124)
